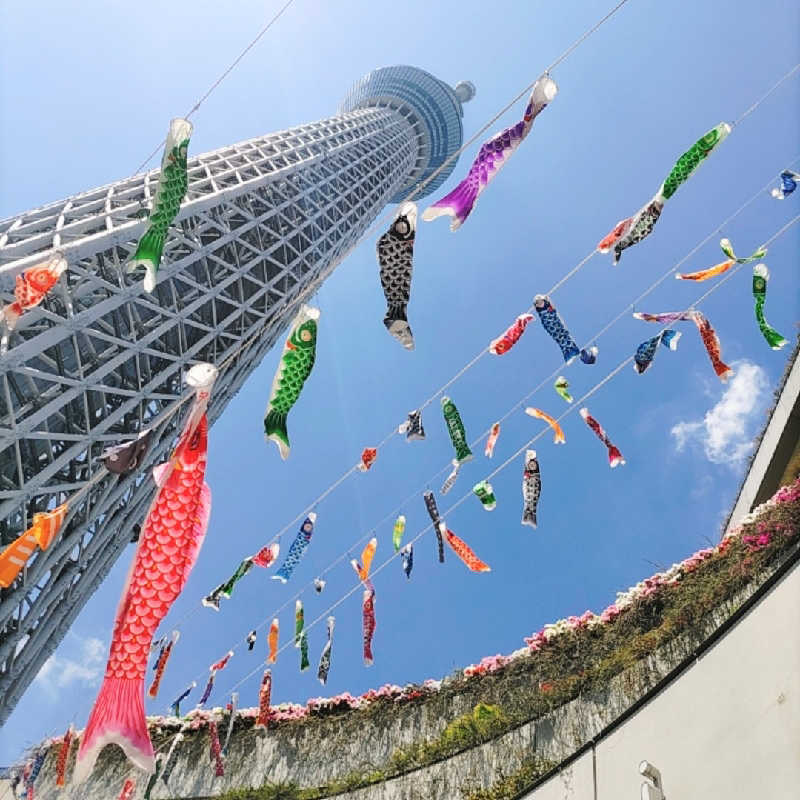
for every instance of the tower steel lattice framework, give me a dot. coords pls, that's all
(264, 222)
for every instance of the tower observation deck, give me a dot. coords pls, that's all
(263, 223)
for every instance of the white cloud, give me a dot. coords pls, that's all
(86, 669)
(723, 431)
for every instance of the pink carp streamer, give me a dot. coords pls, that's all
(707, 335)
(505, 342)
(492, 156)
(491, 441)
(368, 619)
(264, 696)
(127, 789)
(614, 455)
(558, 437)
(465, 553)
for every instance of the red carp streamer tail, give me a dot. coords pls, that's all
(117, 718)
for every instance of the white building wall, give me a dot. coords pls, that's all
(727, 729)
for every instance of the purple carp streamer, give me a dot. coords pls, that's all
(492, 156)
(646, 351)
(555, 327)
(789, 181)
(760, 278)
(297, 549)
(707, 335)
(614, 456)
(632, 230)
(325, 658)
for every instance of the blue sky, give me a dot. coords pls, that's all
(85, 107)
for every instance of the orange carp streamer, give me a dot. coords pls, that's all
(559, 437)
(272, 639)
(465, 553)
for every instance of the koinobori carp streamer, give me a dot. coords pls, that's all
(646, 351)
(632, 230)
(492, 156)
(398, 531)
(562, 387)
(325, 658)
(125, 459)
(789, 181)
(407, 554)
(438, 522)
(558, 433)
(450, 480)
(412, 427)
(455, 427)
(362, 568)
(760, 278)
(485, 493)
(512, 335)
(31, 287)
(707, 335)
(724, 266)
(614, 456)
(264, 698)
(173, 181)
(297, 361)
(165, 554)
(555, 327)
(465, 553)
(272, 640)
(42, 533)
(531, 489)
(396, 261)
(491, 440)
(298, 547)
(368, 619)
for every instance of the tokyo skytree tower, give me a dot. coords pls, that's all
(263, 223)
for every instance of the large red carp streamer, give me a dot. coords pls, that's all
(170, 542)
